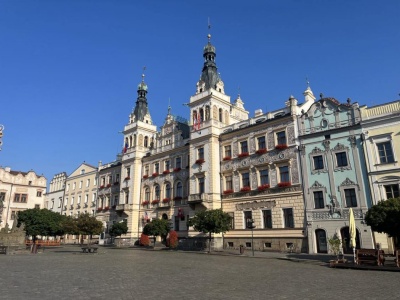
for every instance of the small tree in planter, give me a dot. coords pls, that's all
(118, 229)
(335, 245)
(157, 227)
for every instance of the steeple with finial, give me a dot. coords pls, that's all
(141, 112)
(210, 78)
(308, 94)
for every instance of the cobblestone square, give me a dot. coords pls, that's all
(65, 273)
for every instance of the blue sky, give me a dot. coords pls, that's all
(69, 69)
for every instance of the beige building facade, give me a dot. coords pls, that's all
(19, 191)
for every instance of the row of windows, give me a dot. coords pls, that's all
(349, 194)
(110, 179)
(79, 199)
(266, 221)
(168, 193)
(341, 161)
(80, 184)
(167, 165)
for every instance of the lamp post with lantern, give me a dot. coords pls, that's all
(250, 225)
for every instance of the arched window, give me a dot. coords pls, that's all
(134, 140)
(146, 194)
(146, 141)
(157, 192)
(201, 115)
(179, 190)
(220, 115)
(168, 191)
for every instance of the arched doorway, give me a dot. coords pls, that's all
(164, 217)
(320, 236)
(344, 232)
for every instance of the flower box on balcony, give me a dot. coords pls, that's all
(284, 184)
(227, 192)
(281, 147)
(109, 185)
(200, 161)
(227, 158)
(127, 178)
(245, 189)
(146, 202)
(243, 154)
(145, 176)
(165, 172)
(107, 208)
(102, 187)
(177, 169)
(166, 200)
(263, 187)
(154, 174)
(99, 209)
(261, 151)
(155, 202)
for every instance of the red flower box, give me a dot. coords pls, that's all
(106, 208)
(226, 192)
(108, 185)
(177, 169)
(261, 151)
(127, 178)
(154, 174)
(166, 172)
(227, 158)
(200, 161)
(243, 154)
(102, 186)
(281, 146)
(166, 200)
(245, 189)
(145, 176)
(144, 203)
(99, 209)
(155, 201)
(284, 184)
(263, 187)
(178, 198)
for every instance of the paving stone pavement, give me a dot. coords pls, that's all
(65, 273)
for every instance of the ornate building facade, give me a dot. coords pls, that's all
(334, 174)
(53, 199)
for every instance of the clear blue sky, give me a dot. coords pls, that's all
(69, 69)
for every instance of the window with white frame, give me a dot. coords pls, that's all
(318, 161)
(341, 159)
(284, 174)
(179, 190)
(156, 168)
(87, 182)
(228, 183)
(157, 192)
(244, 147)
(351, 197)
(200, 153)
(281, 138)
(319, 201)
(80, 184)
(168, 191)
(167, 165)
(392, 191)
(264, 178)
(201, 184)
(227, 151)
(288, 217)
(267, 218)
(385, 152)
(178, 162)
(261, 142)
(74, 185)
(146, 194)
(248, 218)
(245, 179)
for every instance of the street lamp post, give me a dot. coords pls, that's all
(250, 224)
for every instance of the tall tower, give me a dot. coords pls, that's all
(210, 111)
(139, 136)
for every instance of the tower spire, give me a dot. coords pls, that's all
(141, 111)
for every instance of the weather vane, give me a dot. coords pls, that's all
(144, 69)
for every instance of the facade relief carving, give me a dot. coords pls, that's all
(255, 205)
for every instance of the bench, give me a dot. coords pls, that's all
(370, 256)
(89, 249)
(3, 249)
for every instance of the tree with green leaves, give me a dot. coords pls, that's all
(211, 221)
(157, 227)
(385, 217)
(89, 225)
(118, 229)
(41, 222)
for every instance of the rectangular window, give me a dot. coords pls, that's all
(319, 200)
(318, 162)
(385, 152)
(87, 182)
(86, 198)
(117, 177)
(228, 183)
(392, 191)
(127, 197)
(177, 219)
(264, 177)
(232, 215)
(116, 198)
(79, 199)
(341, 159)
(74, 185)
(200, 153)
(281, 138)
(156, 168)
(20, 198)
(59, 201)
(146, 170)
(80, 184)
(167, 165)
(245, 179)
(37, 206)
(110, 179)
(267, 217)
(288, 217)
(243, 147)
(248, 218)
(284, 174)
(178, 163)
(13, 214)
(2, 197)
(351, 199)
(128, 172)
(201, 185)
(228, 151)
(67, 187)
(261, 142)
(39, 194)
(52, 204)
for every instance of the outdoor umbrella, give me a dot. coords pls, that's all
(352, 232)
